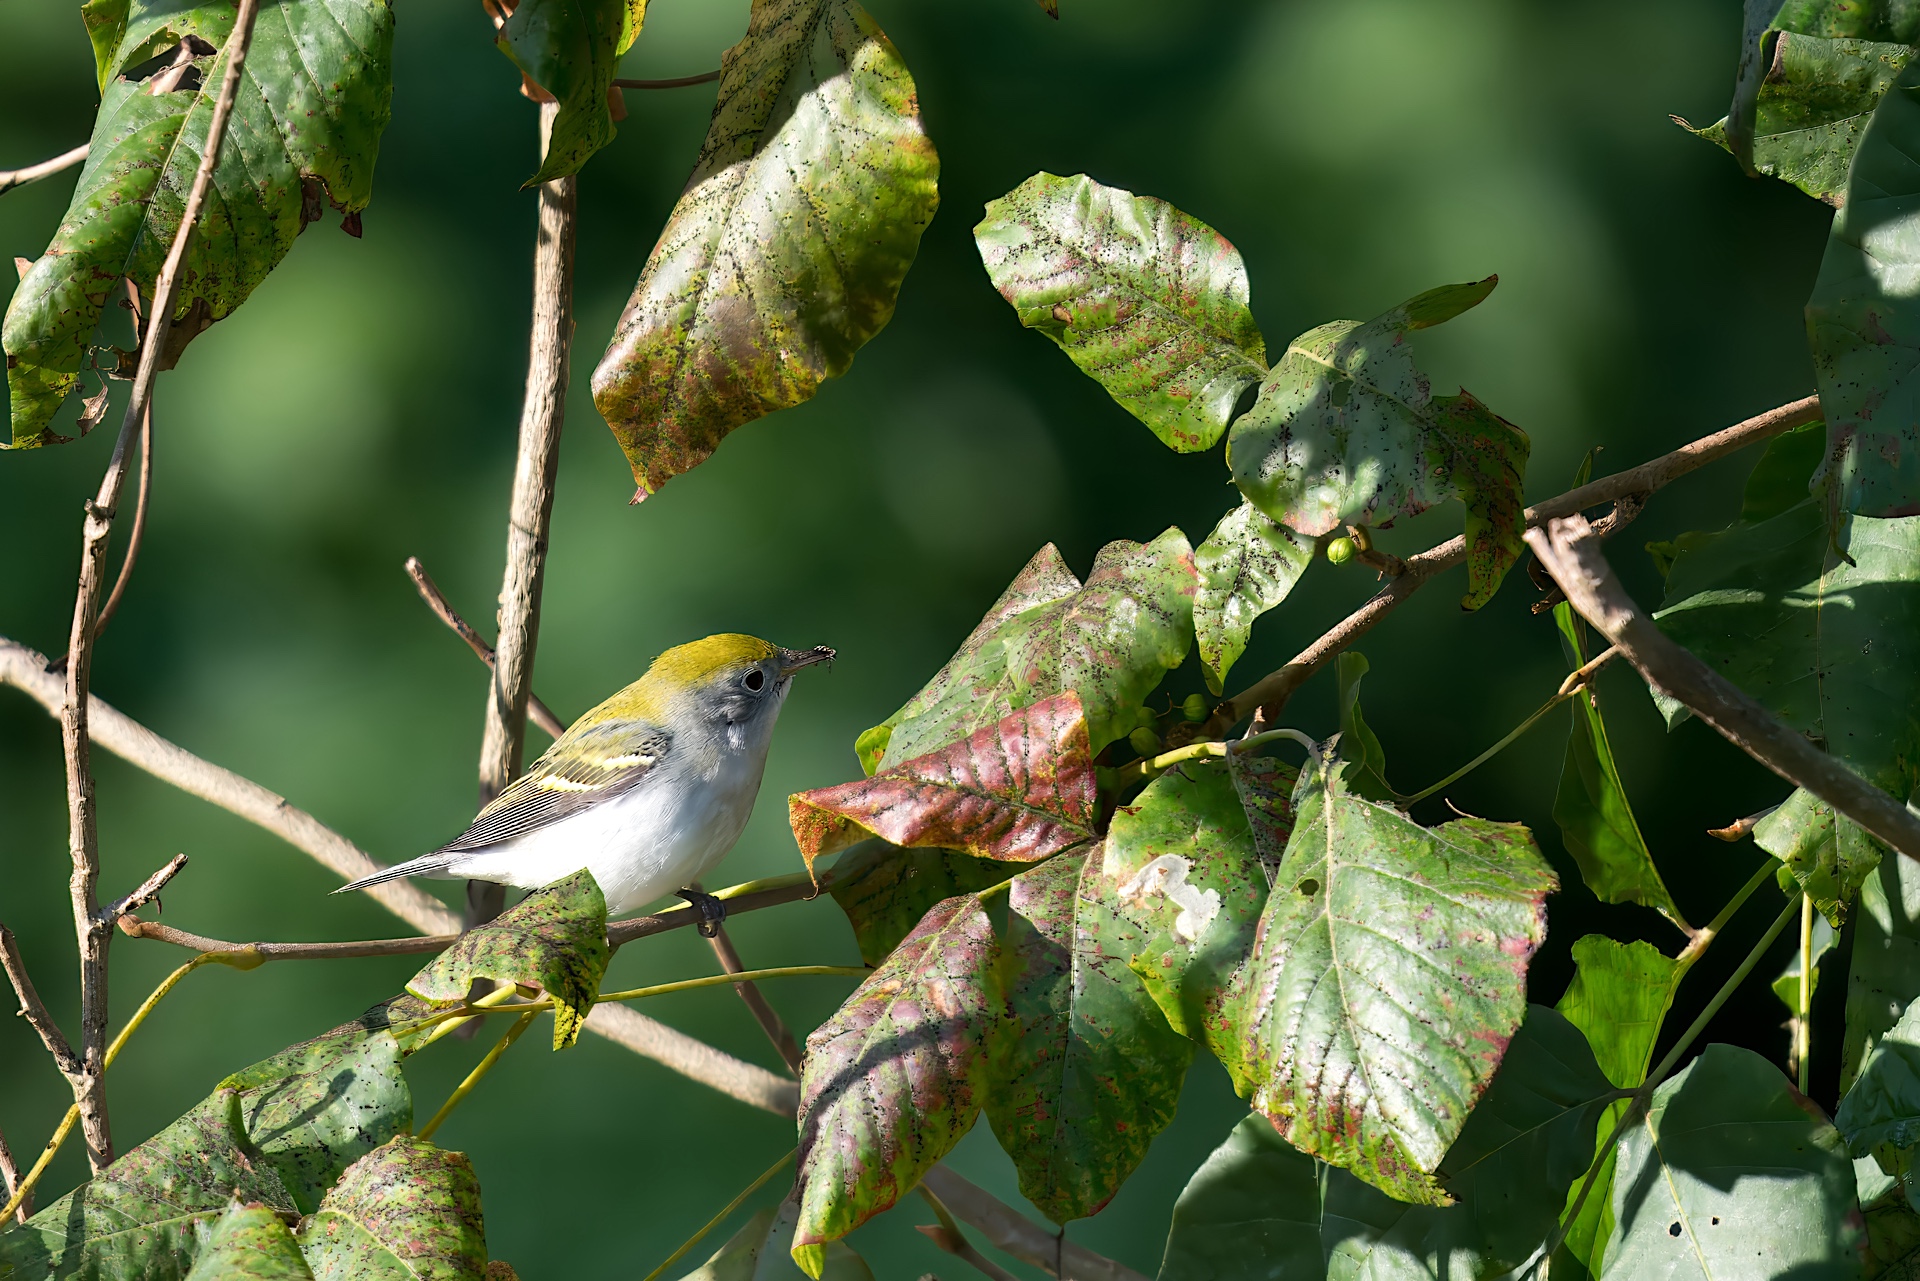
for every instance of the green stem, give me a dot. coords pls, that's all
(1703, 938)
(473, 1078)
(1153, 766)
(1493, 751)
(721, 1217)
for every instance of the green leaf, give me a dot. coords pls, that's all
(250, 1243)
(1812, 107)
(885, 890)
(1826, 855)
(408, 1211)
(759, 1252)
(278, 1133)
(1886, 20)
(1885, 975)
(1619, 998)
(1831, 648)
(1366, 760)
(1756, 58)
(556, 937)
(313, 102)
(1388, 976)
(1488, 472)
(735, 1260)
(1893, 1243)
(1880, 1115)
(787, 251)
(1259, 1208)
(571, 49)
(1086, 1071)
(1110, 640)
(1732, 1175)
(1021, 790)
(1596, 821)
(1149, 302)
(1787, 986)
(1247, 566)
(1780, 478)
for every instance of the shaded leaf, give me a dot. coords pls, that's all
(1827, 856)
(1893, 1243)
(556, 937)
(1880, 1115)
(885, 890)
(1730, 1175)
(787, 250)
(735, 1260)
(571, 49)
(1780, 478)
(1756, 58)
(1885, 974)
(1787, 986)
(759, 1252)
(1488, 470)
(1247, 566)
(1591, 808)
(403, 1212)
(313, 101)
(1365, 760)
(250, 1243)
(1019, 790)
(1388, 974)
(1110, 640)
(1148, 301)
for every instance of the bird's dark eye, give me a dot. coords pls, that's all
(755, 679)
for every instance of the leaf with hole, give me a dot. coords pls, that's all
(786, 253)
(1826, 855)
(1148, 301)
(885, 890)
(1247, 566)
(570, 50)
(408, 1211)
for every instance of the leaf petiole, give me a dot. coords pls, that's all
(721, 1217)
(473, 1078)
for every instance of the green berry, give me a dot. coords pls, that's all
(1340, 551)
(1195, 708)
(1144, 741)
(1143, 718)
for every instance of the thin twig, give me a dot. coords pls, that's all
(481, 1069)
(10, 1182)
(11, 178)
(721, 1217)
(763, 1013)
(947, 1235)
(137, 536)
(134, 927)
(1803, 1017)
(538, 712)
(148, 891)
(1740, 828)
(1005, 1228)
(1569, 553)
(33, 1009)
(676, 82)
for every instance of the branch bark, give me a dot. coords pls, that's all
(1569, 552)
(1007, 1229)
(11, 178)
(10, 1181)
(34, 1010)
(538, 712)
(763, 1013)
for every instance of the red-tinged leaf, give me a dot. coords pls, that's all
(1020, 791)
(1488, 466)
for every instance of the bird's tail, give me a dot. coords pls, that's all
(434, 864)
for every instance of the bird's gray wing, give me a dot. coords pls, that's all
(580, 771)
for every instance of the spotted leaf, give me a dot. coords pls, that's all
(408, 1211)
(1247, 566)
(571, 50)
(885, 890)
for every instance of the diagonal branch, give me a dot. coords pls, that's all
(763, 1013)
(11, 178)
(538, 712)
(10, 1182)
(34, 1010)
(1569, 552)
(147, 892)
(1008, 1229)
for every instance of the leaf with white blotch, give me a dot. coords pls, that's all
(1110, 640)
(786, 253)
(1247, 566)
(314, 99)
(1085, 1072)
(1260, 1208)
(897, 1076)
(408, 1211)
(1885, 976)
(279, 1132)
(885, 889)
(1148, 301)
(250, 1243)
(1732, 1175)
(1021, 790)
(571, 50)
(556, 937)
(1826, 855)
(1387, 977)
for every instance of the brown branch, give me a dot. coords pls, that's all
(134, 927)
(34, 1010)
(137, 536)
(11, 178)
(1740, 828)
(538, 712)
(750, 897)
(676, 82)
(1007, 1229)
(959, 1247)
(10, 1181)
(148, 890)
(1573, 557)
(769, 1020)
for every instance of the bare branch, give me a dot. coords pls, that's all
(10, 1182)
(747, 1082)
(134, 927)
(763, 1013)
(951, 1240)
(1569, 552)
(33, 1009)
(148, 891)
(11, 178)
(137, 536)
(537, 711)
(749, 897)
(676, 82)
(1007, 1229)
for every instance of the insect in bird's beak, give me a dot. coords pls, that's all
(794, 660)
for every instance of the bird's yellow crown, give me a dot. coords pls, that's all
(697, 662)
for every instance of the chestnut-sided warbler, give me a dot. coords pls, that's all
(647, 791)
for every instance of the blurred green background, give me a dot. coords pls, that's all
(362, 408)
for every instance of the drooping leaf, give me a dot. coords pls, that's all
(1110, 640)
(555, 937)
(1732, 1176)
(408, 1211)
(1247, 566)
(1779, 479)
(894, 1079)
(1756, 58)
(1259, 1208)
(278, 1133)
(1488, 470)
(1880, 1115)
(1826, 855)
(1619, 997)
(306, 126)
(1086, 1071)
(1829, 647)
(1148, 301)
(786, 253)
(571, 49)
(1387, 977)
(1885, 974)
(1366, 760)
(1595, 819)
(885, 890)
(250, 1243)
(1813, 105)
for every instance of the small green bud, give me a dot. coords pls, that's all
(1195, 708)
(1144, 741)
(1144, 718)
(1340, 551)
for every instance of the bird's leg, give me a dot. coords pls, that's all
(712, 910)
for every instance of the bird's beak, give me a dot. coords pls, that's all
(792, 660)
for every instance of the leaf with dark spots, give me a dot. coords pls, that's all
(1827, 856)
(1488, 467)
(885, 890)
(556, 937)
(1110, 640)
(408, 1211)
(1148, 301)
(313, 101)
(250, 1243)
(786, 252)
(1377, 1007)
(1019, 790)
(1247, 566)
(571, 49)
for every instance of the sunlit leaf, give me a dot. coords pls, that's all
(1488, 469)
(1732, 1176)
(306, 128)
(1885, 974)
(1247, 566)
(1880, 1115)
(408, 1211)
(571, 49)
(786, 253)
(1388, 975)
(885, 890)
(1110, 640)
(250, 1243)
(1148, 301)
(1827, 855)
(556, 938)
